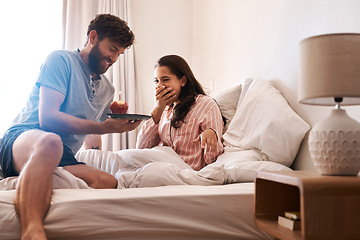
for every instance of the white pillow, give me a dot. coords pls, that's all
(265, 121)
(228, 101)
(244, 90)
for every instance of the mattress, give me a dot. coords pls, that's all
(165, 212)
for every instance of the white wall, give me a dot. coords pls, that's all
(161, 27)
(226, 42)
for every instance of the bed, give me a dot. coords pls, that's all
(160, 197)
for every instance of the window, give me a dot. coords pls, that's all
(30, 31)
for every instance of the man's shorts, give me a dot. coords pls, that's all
(6, 155)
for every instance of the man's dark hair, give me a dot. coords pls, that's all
(112, 27)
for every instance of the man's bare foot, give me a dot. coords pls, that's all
(34, 234)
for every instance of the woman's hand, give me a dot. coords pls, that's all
(163, 96)
(208, 140)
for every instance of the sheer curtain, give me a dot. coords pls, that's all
(19, 66)
(76, 17)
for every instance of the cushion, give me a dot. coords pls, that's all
(228, 101)
(265, 121)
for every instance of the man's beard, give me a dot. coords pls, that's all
(95, 59)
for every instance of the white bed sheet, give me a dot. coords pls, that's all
(167, 212)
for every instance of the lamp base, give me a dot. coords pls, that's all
(334, 145)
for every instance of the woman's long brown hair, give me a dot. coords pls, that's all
(192, 88)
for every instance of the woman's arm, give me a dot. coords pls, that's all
(148, 136)
(211, 136)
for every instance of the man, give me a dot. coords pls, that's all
(70, 100)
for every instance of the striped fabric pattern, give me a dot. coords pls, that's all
(204, 114)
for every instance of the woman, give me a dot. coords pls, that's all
(183, 117)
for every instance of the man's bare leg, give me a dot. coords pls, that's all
(94, 177)
(36, 154)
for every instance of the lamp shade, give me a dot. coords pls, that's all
(329, 68)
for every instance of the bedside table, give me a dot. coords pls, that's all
(329, 205)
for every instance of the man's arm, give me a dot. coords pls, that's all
(51, 119)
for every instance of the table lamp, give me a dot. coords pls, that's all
(330, 76)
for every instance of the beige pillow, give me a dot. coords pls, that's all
(228, 101)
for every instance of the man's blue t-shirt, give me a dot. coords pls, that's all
(85, 98)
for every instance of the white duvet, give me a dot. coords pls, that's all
(161, 166)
